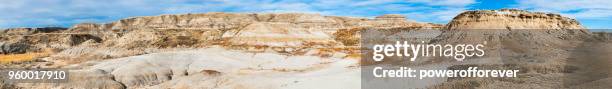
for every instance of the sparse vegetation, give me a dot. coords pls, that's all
(8, 58)
(20, 57)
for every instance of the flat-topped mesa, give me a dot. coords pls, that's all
(511, 19)
(514, 30)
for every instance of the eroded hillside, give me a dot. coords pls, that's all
(294, 50)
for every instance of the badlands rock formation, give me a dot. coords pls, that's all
(290, 29)
(292, 50)
(512, 25)
(15, 40)
(149, 34)
(543, 46)
(511, 19)
(228, 50)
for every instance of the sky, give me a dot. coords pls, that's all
(594, 14)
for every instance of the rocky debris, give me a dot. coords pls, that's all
(511, 19)
(163, 38)
(77, 39)
(603, 35)
(349, 37)
(13, 48)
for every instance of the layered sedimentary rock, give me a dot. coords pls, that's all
(307, 40)
(483, 25)
(511, 33)
(277, 34)
(215, 20)
(148, 34)
(511, 19)
(293, 28)
(541, 45)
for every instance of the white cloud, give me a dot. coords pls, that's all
(592, 14)
(453, 3)
(18, 13)
(581, 9)
(36, 13)
(372, 2)
(441, 16)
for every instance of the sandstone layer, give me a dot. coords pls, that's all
(543, 46)
(511, 19)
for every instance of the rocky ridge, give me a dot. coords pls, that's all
(542, 45)
(283, 32)
(511, 19)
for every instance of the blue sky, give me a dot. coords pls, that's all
(594, 14)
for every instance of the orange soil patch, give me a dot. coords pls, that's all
(23, 57)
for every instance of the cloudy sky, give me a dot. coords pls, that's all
(595, 14)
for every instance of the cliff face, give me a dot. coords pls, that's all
(512, 24)
(540, 44)
(287, 29)
(141, 35)
(511, 19)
